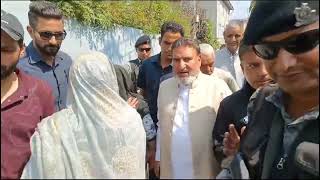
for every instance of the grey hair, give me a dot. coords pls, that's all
(237, 23)
(206, 49)
(193, 43)
(43, 9)
(233, 23)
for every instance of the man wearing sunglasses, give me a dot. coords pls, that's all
(283, 120)
(43, 58)
(143, 49)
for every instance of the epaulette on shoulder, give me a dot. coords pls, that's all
(264, 91)
(258, 97)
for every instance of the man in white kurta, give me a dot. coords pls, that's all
(187, 108)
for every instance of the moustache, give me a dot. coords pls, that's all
(51, 49)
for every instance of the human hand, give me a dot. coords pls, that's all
(133, 102)
(231, 140)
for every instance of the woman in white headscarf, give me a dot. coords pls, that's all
(97, 136)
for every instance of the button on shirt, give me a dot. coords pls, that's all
(20, 114)
(149, 80)
(230, 63)
(56, 76)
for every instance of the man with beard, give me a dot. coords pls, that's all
(281, 140)
(43, 58)
(25, 101)
(153, 69)
(227, 58)
(187, 108)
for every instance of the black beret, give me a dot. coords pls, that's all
(273, 17)
(142, 40)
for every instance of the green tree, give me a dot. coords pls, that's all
(205, 34)
(145, 15)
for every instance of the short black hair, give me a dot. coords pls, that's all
(193, 43)
(171, 27)
(43, 9)
(20, 42)
(243, 48)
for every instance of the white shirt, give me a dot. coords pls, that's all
(231, 63)
(227, 77)
(181, 151)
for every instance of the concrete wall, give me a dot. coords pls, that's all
(117, 44)
(218, 13)
(222, 19)
(211, 11)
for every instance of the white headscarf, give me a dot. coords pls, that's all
(97, 136)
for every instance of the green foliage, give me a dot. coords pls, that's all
(205, 35)
(145, 15)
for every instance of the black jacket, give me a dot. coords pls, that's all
(135, 65)
(126, 89)
(231, 110)
(262, 146)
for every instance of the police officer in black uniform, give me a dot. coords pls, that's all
(282, 137)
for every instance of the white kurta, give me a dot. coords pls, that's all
(230, 63)
(181, 141)
(181, 150)
(205, 95)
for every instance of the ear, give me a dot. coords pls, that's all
(30, 31)
(160, 40)
(241, 65)
(199, 58)
(22, 51)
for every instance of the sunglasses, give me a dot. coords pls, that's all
(144, 49)
(47, 35)
(295, 45)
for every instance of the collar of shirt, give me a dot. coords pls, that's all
(157, 60)
(35, 57)
(139, 61)
(20, 94)
(230, 54)
(276, 98)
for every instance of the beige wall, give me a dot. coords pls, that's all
(218, 14)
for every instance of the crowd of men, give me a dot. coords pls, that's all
(248, 111)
